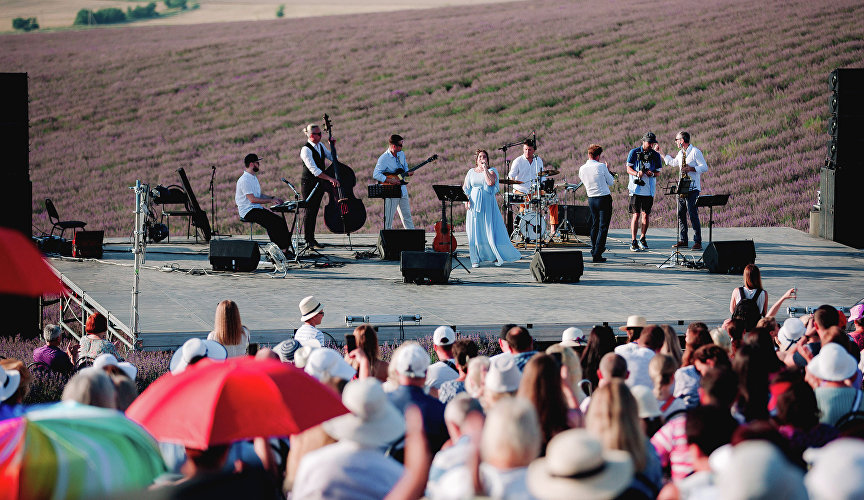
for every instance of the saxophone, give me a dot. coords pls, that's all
(683, 173)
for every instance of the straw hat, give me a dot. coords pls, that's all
(648, 405)
(373, 421)
(634, 322)
(577, 466)
(9, 382)
(194, 348)
(790, 332)
(503, 374)
(106, 359)
(309, 308)
(832, 363)
(573, 337)
(325, 363)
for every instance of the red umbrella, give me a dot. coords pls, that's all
(215, 402)
(23, 271)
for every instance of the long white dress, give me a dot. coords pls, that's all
(487, 236)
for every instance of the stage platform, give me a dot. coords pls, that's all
(179, 291)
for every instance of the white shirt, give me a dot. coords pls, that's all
(522, 170)
(308, 332)
(748, 294)
(346, 471)
(309, 160)
(637, 364)
(596, 177)
(389, 164)
(438, 373)
(246, 184)
(694, 159)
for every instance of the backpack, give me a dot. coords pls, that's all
(748, 309)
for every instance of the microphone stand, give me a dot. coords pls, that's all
(213, 206)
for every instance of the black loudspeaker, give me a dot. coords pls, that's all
(88, 244)
(392, 242)
(579, 217)
(237, 255)
(729, 257)
(557, 266)
(425, 267)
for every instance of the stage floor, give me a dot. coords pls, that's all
(175, 305)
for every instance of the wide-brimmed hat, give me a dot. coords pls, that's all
(757, 470)
(286, 349)
(373, 420)
(106, 359)
(302, 355)
(833, 363)
(836, 470)
(194, 348)
(647, 403)
(310, 307)
(634, 322)
(503, 375)
(411, 360)
(790, 332)
(9, 382)
(324, 363)
(573, 337)
(444, 335)
(577, 466)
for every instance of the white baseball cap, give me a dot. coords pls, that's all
(411, 360)
(573, 337)
(106, 359)
(324, 363)
(444, 335)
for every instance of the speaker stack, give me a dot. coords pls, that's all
(425, 268)
(842, 176)
(234, 255)
(557, 266)
(729, 257)
(392, 242)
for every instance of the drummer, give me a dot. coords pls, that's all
(525, 168)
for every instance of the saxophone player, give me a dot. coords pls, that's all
(690, 162)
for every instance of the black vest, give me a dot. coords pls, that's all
(319, 161)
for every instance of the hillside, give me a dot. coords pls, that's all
(111, 106)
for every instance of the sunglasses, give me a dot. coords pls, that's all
(315, 133)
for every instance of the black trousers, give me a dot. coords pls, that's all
(275, 225)
(307, 184)
(601, 214)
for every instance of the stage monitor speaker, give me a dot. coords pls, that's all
(729, 257)
(88, 244)
(234, 255)
(425, 267)
(392, 242)
(579, 217)
(557, 266)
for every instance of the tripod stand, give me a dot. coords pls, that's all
(451, 194)
(679, 189)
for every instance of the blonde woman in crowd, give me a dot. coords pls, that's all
(228, 330)
(672, 345)
(476, 379)
(662, 370)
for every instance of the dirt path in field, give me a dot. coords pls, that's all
(61, 13)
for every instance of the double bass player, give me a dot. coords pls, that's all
(313, 153)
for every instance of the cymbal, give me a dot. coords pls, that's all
(548, 173)
(510, 182)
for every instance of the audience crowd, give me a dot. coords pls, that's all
(751, 409)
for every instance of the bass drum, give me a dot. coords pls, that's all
(532, 225)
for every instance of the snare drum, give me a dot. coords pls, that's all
(532, 225)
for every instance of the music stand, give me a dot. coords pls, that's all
(384, 191)
(711, 201)
(682, 187)
(450, 194)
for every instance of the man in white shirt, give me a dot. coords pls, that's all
(597, 179)
(249, 198)
(445, 368)
(313, 153)
(649, 344)
(311, 314)
(690, 161)
(525, 168)
(392, 161)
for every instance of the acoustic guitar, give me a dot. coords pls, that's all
(444, 240)
(400, 174)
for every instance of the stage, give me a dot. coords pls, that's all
(180, 303)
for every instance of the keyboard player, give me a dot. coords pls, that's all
(249, 200)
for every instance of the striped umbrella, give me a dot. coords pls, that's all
(70, 450)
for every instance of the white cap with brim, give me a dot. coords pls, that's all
(324, 363)
(833, 363)
(577, 466)
(503, 375)
(9, 382)
(836, 470)
(106, 359)
(790, 332)
(194, 348)
(573, 337)
(444, 335)
(373, 421)
(411, 360)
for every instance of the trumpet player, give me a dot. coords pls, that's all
(690, 163)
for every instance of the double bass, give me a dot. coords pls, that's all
(344, 212)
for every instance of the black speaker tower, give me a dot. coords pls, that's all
(842, 176)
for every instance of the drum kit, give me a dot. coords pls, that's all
(537, 207)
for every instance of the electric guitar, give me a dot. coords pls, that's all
(444, 240)
(400, 174)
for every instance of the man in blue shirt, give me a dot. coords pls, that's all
(643, 165)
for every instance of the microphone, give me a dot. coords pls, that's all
(213, 167)
(291, 186)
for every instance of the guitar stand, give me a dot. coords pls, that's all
(213, 220)
(450, 194)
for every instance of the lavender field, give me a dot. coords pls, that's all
(111, 106)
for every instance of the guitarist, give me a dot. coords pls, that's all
(313, 153)
(392, 161)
